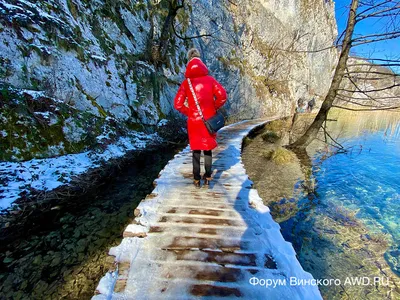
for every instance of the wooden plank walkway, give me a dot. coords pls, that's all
(207, 243)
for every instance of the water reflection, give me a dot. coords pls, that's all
(351, 124)
(354, 229)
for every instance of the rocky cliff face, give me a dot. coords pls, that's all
(269, 53)
(368, 86)
(105, 58)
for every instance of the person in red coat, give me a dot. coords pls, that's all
(211, 96)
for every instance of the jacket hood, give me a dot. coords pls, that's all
(196, 68)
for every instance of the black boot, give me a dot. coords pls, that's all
(207, 180)
(196, 183)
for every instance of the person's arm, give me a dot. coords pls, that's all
(179, 101)
(220, 95)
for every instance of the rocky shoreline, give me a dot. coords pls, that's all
(62, 252)
(39, 205)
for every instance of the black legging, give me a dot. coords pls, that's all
(207, 163)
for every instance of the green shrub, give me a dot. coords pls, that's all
(270, 137)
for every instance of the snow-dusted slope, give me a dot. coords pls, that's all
(188, 243)
(86, 53)
(45, 175)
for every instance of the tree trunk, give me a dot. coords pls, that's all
(166, 31)
(313, 130)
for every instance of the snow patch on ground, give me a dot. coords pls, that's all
(107, 284)
(72, 132)
(162, 122)
(17, 178)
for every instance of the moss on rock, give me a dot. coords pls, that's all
(280, 156)
(35, 126)
(270, 137)
(246, 141)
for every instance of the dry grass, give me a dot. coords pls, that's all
(280, 156)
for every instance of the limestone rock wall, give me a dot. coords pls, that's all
(90, 54)
(269, 53)
(96, 56)
(368, 86)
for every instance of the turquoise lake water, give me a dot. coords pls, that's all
(357, 201)
(367, 180)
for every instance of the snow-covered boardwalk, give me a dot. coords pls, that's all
(207, 243)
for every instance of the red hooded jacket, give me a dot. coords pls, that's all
(211, 96)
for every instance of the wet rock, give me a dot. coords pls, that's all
(69, 246)
(91, 248)
(98, 243)
(7, 284)
(77, 234)
(38, 260)
(67, 273)
(89, 283)
(8, 260)
(74, 249)
(19, 295)
(40, 288)
(103, 233)
(47, 259)
(77, 270)
(81, 246)
(56, 260)
(81, 256)
(24, 284)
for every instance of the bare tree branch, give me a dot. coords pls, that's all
(356, 103)
(381, 65)
(336, 143)
(358, 89)
(373, 91)
(386, 34)
(395, 36)
(372, 7)
(371, 109)
(383, 59)
(191, 37)
(376, 98)
(231, 2)
(379, 13)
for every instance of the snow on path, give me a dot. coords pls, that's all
(208, 243)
